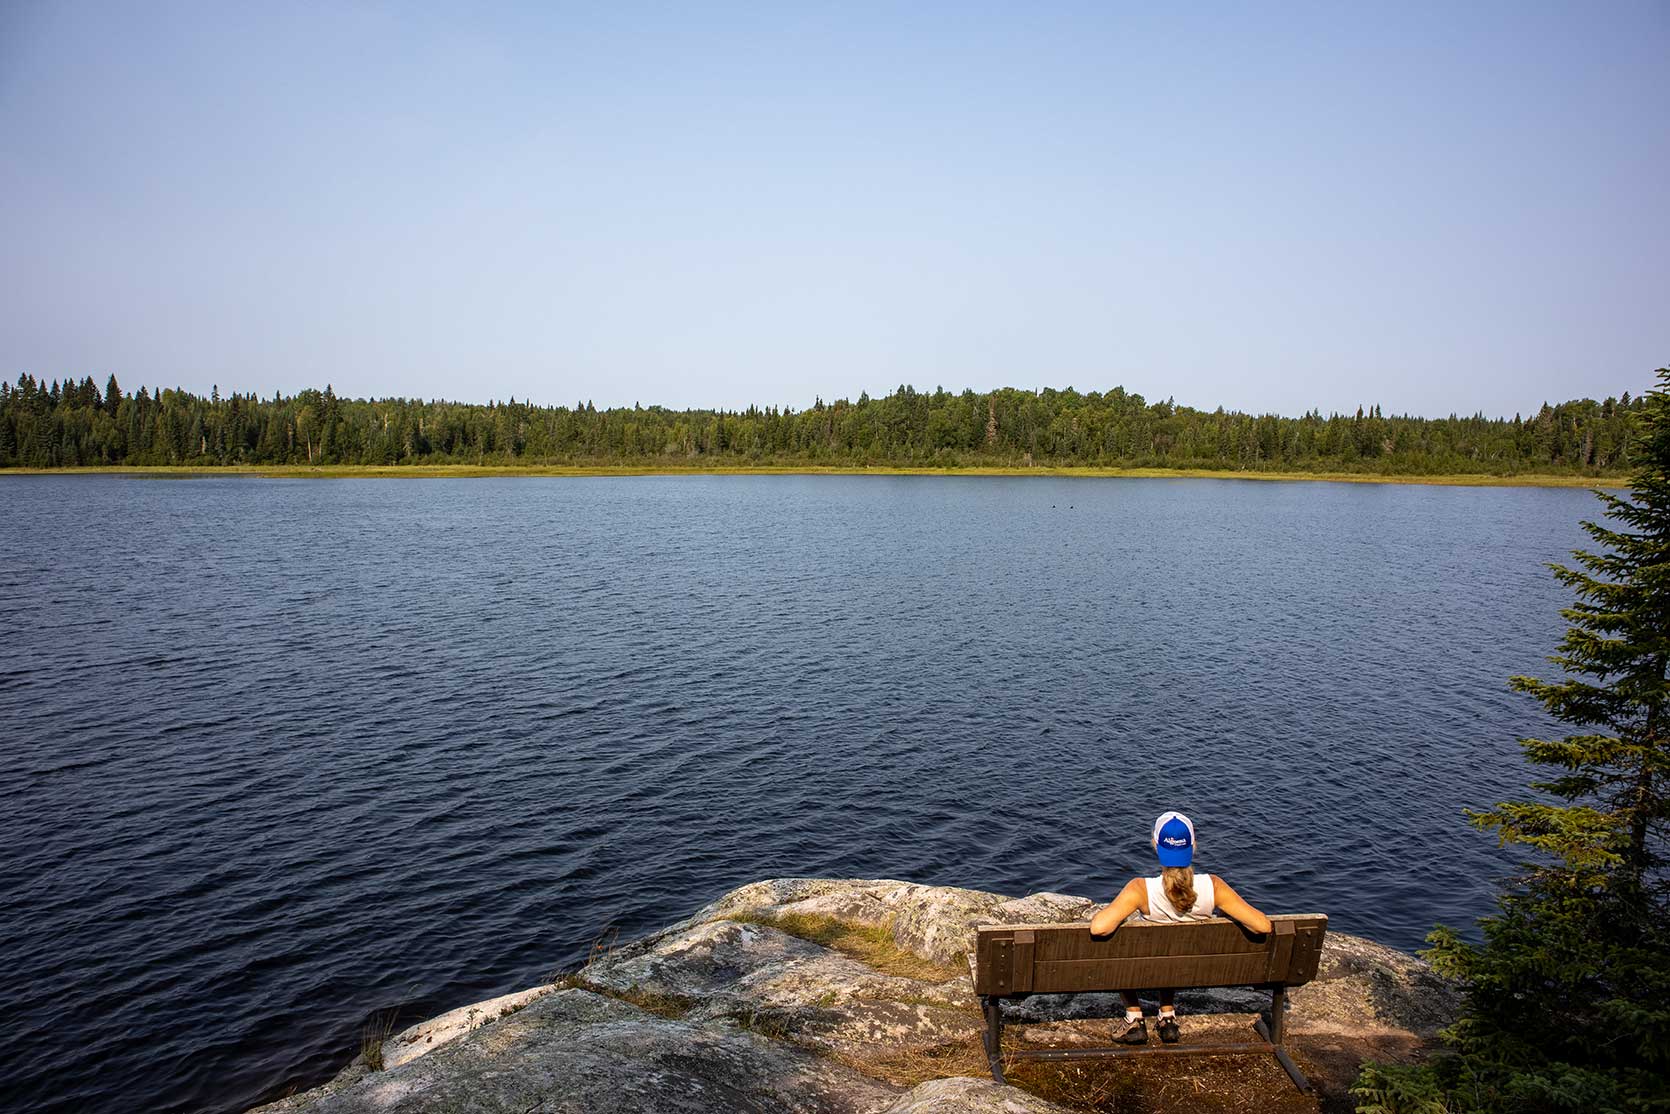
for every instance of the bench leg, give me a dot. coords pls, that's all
(1276, 1032)
(993, 1038)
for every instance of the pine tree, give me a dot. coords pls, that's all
(1567, 1002)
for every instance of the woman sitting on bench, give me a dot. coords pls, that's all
(1178, 894)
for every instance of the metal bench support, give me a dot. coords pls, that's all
(1276, 1031)
(1271, 1034)
(993, 1037)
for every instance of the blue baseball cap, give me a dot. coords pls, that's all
(1174, 839)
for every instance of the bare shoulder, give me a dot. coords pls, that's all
(1225, 897)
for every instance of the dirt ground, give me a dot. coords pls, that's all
(1164, 1084)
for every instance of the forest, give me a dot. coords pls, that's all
(76, 424)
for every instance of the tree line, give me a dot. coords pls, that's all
(76, 424)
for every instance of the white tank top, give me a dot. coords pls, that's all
(1160, 909)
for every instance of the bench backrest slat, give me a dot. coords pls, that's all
(1064, 958)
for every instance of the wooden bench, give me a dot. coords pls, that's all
(1017, 960)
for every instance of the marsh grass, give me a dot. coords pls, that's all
(870, 944)
(465, 471)
(373, 1035)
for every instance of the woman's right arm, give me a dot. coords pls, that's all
(1132, 898)
(1231, 904)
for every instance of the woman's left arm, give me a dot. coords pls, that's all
(1231, 904)
(1132, 898)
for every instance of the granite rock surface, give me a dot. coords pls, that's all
(760, 1002)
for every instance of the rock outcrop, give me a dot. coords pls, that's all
(852, 997)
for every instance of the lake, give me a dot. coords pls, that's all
(278, 756)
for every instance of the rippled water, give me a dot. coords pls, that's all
(276, 756)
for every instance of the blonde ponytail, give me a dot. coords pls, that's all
(1179, 885)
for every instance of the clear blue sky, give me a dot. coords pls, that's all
(1433, 207)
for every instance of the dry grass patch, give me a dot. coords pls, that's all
(670, 1006)
(1159, 1085)
(909, 1064)
(870, 944)
(1151, 1085)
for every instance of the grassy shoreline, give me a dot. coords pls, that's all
(471, 471)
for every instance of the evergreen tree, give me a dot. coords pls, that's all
(1567, 1002)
